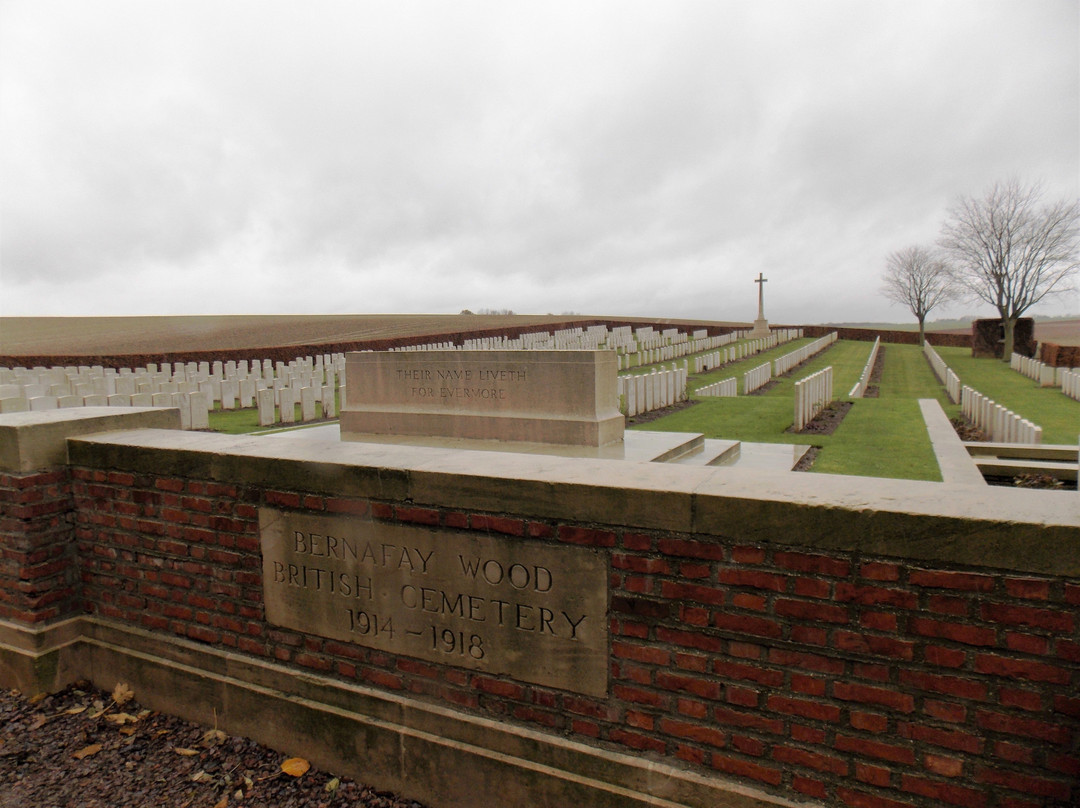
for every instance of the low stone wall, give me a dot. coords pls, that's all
(767, 638)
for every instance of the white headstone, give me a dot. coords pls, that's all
(200, 409)
(42, 403)
(328, 408)
(266, 407)
(287, 406)
(307, 404)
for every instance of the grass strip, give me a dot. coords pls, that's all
(1048, 407)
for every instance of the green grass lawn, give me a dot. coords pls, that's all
(241, 422)
(1048, 407)
(846, 357)
(666, 364)
(880, 437)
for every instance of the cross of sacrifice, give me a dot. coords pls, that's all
(761, 280)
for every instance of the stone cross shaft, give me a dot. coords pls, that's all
(761, 280)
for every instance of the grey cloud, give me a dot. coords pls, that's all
(600, 157)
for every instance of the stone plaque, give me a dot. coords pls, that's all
(559, 397)
(504, 606)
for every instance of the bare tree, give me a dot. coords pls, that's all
(1011, 251)
(916, 278)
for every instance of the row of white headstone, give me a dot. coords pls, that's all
(736, 353)
(998, 423)
(812, 395)
(1070, 383)
(782, 364)
(1046, 375)
(756, 378)
(944, 373)
(646, 392)
(195, 388)
(279, 407)
(636, 347)
(727, 388)
(642, 356)
(864, 378)
(1038, 371)
(759, 376)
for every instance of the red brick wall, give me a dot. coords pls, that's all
(898, 337)
(37, 556)
(1060, 356)
(857, 680)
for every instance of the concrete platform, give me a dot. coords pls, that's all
(713, 453)
(953, 460)
(638, 446)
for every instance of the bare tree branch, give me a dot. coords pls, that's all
(916, 278)
(1010, 251)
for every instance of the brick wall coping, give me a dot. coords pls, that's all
(31, 441)
(1014, 529)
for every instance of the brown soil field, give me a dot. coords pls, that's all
(137, 335)
(229, 334)
(1059, 332)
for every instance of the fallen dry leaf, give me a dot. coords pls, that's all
(75, 710)
(332, 785)
(180, 750)
(295, 767)
(201, 777)
(87, 751)
(39, 722)
(121, 718)
(223, 802)
(213, 737)
(128, 730)
(122, 693)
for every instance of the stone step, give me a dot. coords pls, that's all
(770, 456)
(1063, 452)
(712, 453)
(1017, 466)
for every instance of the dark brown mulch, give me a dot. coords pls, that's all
(827, 420)
(807, 460)
(129, 757)
(1033, 480)
(873, 384)
(967, 431)
(646, 417)
(769, 385)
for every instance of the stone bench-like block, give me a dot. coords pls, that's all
(556, 397)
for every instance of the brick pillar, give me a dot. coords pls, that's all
(38, 575)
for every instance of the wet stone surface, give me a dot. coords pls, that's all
(82, 748)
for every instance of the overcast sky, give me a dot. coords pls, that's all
(610, 158)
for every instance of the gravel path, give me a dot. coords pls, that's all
(82, 748)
